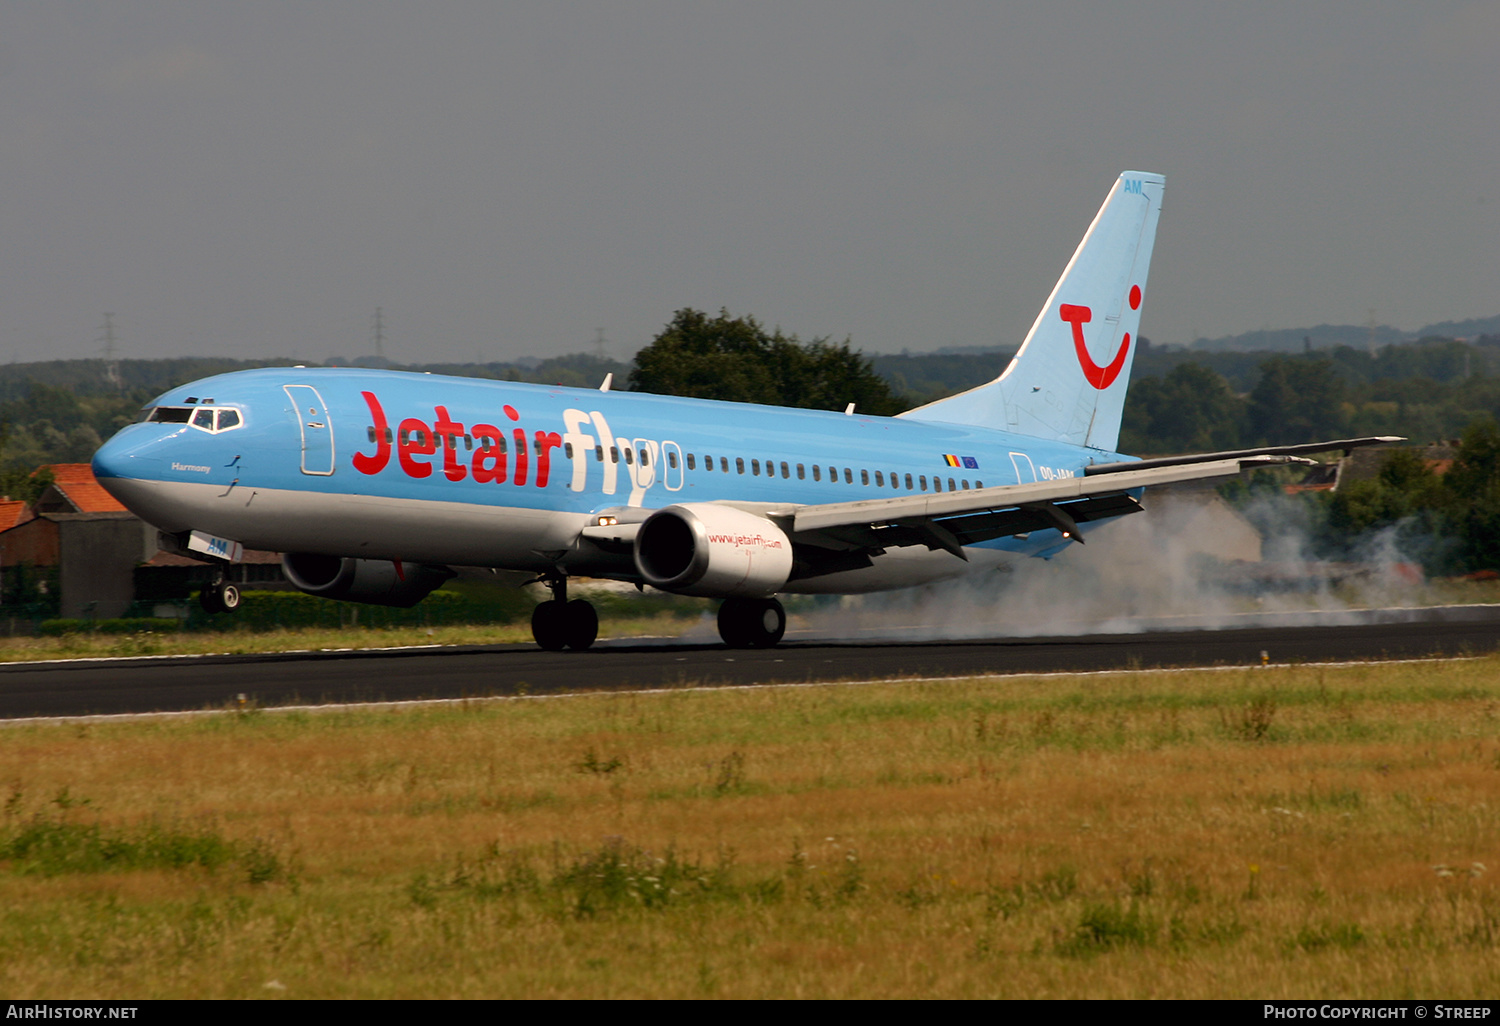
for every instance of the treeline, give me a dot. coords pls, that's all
(60, 411)
(1414, 509)
(1427, 390)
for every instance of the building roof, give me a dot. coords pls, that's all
(76, 485)
(11, 512)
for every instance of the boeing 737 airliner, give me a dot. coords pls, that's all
(375, 483)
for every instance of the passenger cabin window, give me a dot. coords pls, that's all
(864, 477)
(739, 464)
(879, 479)
(755, 467)
(784, 471)
(817, 472)
(801, 472)
(923, 481)
(848, 475)
(909, 485)
(723, 464)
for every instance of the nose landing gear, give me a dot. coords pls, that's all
(219, 596)
(558, 624)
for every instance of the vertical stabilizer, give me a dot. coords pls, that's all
(1068, 380)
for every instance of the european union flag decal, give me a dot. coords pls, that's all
(970, 463)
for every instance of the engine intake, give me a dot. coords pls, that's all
(362, 580)
(701, 548)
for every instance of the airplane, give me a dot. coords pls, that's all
(375, 484)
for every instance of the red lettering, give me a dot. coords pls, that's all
(520, 475)
(489, 439)
(448, 432)
(1100, 377)
(375, 464)
(546, 441)
(408, 446)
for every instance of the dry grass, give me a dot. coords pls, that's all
(240, 642)
(1273, 833)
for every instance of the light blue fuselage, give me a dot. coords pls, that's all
(309, 469)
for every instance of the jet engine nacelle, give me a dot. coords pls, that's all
(362, 580)
(701, 548)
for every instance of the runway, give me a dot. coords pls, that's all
(101, 687)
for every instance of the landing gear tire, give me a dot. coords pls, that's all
(558, 625)
(549, 625)
(582, 625)
(219, 597)
(751, 623)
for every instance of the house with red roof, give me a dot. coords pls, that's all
(105, 557)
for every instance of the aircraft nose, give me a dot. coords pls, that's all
(129, 454)
(107, 461)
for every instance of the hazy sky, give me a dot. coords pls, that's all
(503, 178)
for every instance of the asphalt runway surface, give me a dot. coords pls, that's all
(102, 687)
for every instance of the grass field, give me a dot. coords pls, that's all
(1278, 832)
(147, 643)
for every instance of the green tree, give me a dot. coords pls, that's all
(1473, 487)
(1192, 408)
(1296, 400)
(735, 359)
(1405, 487)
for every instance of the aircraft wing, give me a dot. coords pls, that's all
(950, 520)
(1345, 444)
(836, 536)
(841, 535)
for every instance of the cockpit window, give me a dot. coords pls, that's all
(205, 418)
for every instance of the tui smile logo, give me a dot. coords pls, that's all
(1077, 316)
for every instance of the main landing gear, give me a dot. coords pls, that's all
(219, 596)
(751, 623)
(558, 624)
